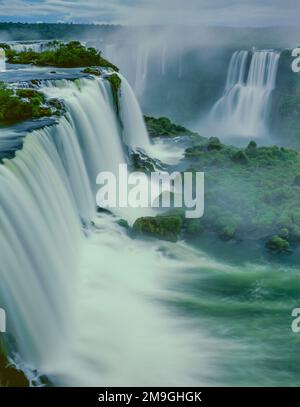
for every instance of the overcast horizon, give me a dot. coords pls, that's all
(230, 13)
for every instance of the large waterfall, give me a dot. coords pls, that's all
(82, 297)
(243, 109)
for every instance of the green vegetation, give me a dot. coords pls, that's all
(92, 71)
(21, 104)
(251, 193)
(141, 162)
(71, 55)
(166, 227)
(163, 127)
(4, 46)
(9, 376)
(277, 244)
(193, 227)
(115, 83)
(169, 226)
(123, 223)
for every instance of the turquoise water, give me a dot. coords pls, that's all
(246, 300)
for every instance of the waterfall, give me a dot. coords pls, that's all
(163, 60)
(243, 109)
(27, 45)
(135, 132)
(82, 298)
(38, 46)
(141, 71)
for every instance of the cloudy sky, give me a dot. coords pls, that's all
(210, 12)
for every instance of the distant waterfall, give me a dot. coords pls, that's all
(78, 291)
(38, 46)
(243, 108)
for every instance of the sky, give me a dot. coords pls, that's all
(191, 12)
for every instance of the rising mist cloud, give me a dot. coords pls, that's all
(191, 12)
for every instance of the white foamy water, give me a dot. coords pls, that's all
(243, 109)
(83, 299)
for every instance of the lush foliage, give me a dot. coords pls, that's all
(115, 82)
(92, 71)
(9, 376)
(71, 55)
(4, 46)
(163, 127)
(164, 227)
(250, 193)
(21, 104)
(277, 244)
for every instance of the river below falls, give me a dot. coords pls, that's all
(245, 300)
(176, 314)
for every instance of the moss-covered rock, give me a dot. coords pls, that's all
(141, 162)
(22, 104)
(9, 375)
(277, 244)
(115, 83)
(163, 227)
(30, 94)
(92, 71)
(163, 127)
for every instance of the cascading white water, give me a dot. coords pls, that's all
(243, 108)
(91, 112)
(38, 46)
(26, 46)
(83, 308)
(237, 69)
(39, 236)
(135, 132)
(163, 60)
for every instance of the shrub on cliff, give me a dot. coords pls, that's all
(21, 105)
(162, 227)
(115, 83)
(277, 244)
(163, 127)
